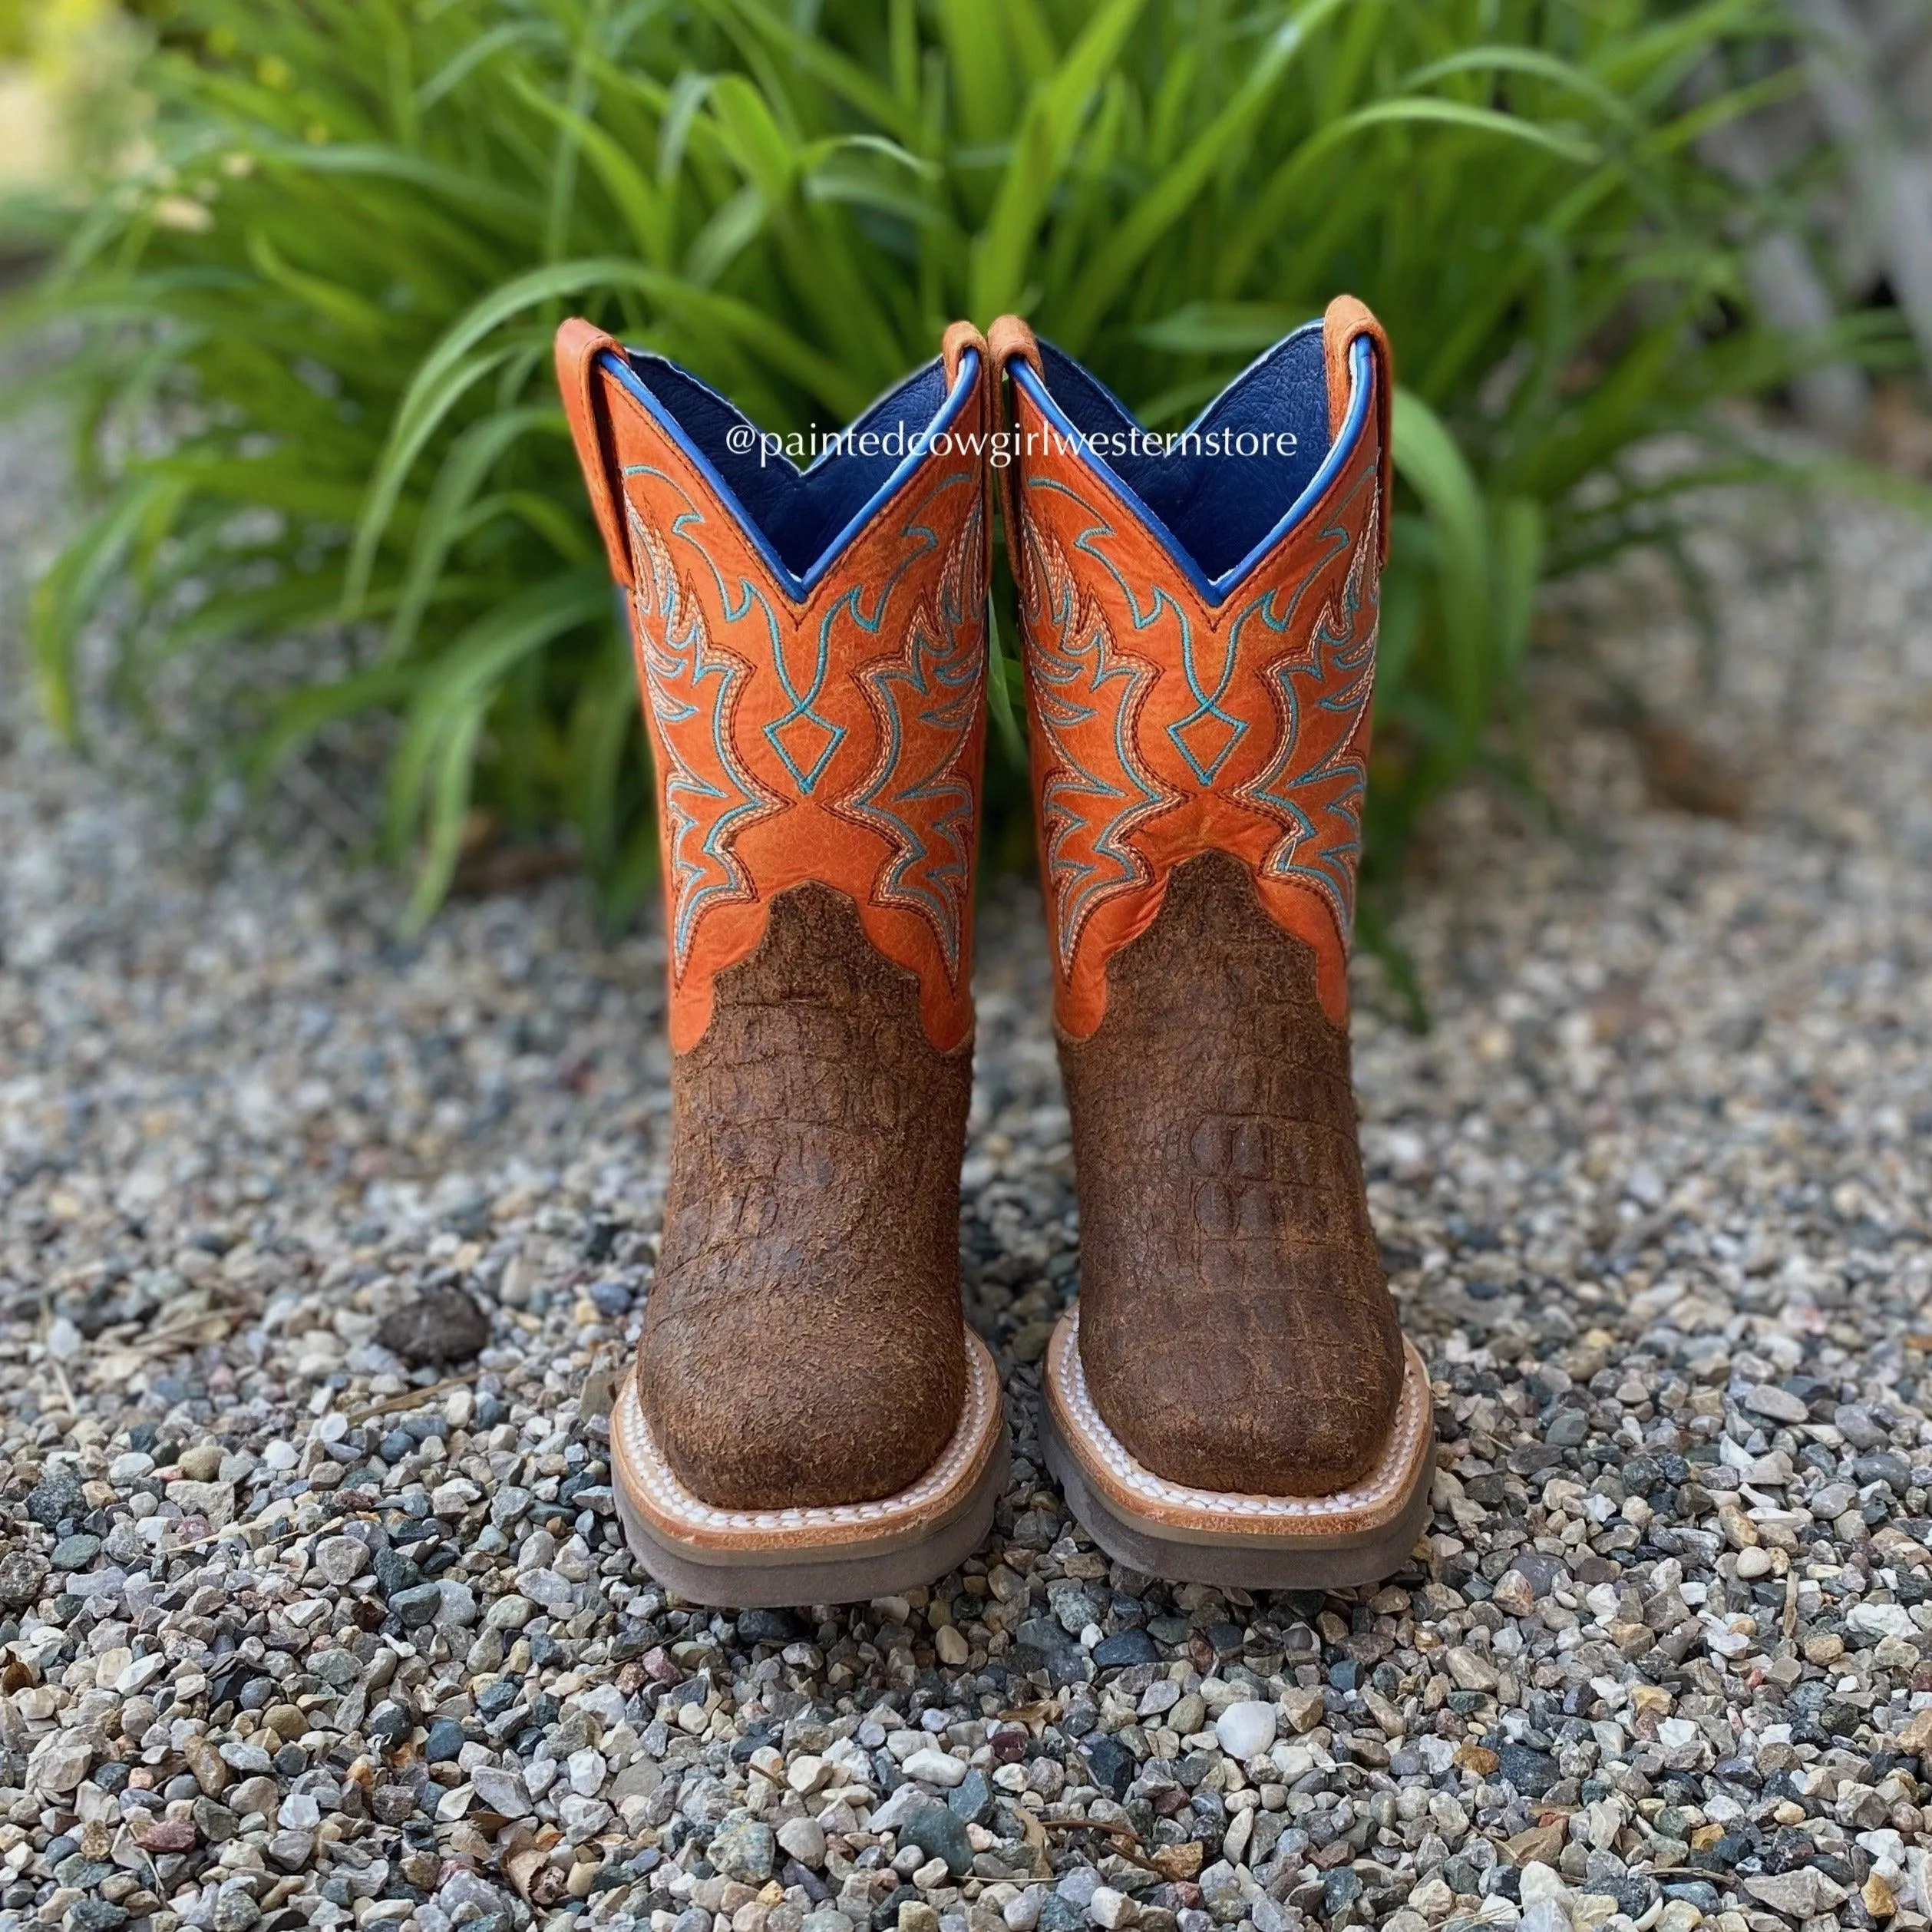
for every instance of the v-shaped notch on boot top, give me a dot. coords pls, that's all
(1220, 493)
(1170, 713)
(801, 519)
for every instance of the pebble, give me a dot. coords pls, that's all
(1125, 1649)
(341, 1559)
(1779, 1404)
(418, 1606)
(803, 1838)
(56, 1497)
(971, 1799)
(1801, 1894)
(1246, 1729)
(205, 1764)
(21, 1574)
(60, 1764)
(501, 1790)
(444, 1742)
(939, 1833)
(743, 1848)
(935, 1768)
(438, 1325)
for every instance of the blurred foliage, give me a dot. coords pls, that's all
(73, 110)
(317, 399)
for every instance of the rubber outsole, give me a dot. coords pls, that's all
(1358, 1536)
(855, 1579)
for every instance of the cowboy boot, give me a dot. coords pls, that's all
(1231, 1400)
(808, 1419)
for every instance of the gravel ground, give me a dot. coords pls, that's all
(293, 1632)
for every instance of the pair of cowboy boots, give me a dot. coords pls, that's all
(1231, 1400)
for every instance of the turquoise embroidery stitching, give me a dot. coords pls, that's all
(813, 739)
(1076, 664)
(1208, 735)
(1200, 723)
(1321, 800)
(935, 684)
(687, 681)
(802, 722)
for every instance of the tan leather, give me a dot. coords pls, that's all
(1011, 336)
(803, 1343)
(960, 337)
(1236, 1327)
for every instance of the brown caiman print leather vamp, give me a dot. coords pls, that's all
(808, 1420)
(1231, 1400)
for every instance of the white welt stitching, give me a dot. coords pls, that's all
(670, 1498)
(1386, 1486)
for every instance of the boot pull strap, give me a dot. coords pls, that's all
(960, 337)
(1346, 320)
(1010, 338)
(579, 344)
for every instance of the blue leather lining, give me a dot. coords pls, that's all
(1217, 514)
(800, 520)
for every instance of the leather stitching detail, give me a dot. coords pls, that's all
(692, 686)
(1085, 695)
(678, 1511)
(1380, 1494)
(922, 794)
(1316, 794)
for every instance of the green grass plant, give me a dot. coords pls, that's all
(314, 379)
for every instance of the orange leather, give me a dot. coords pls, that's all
(578, 345)
(1010, 336)
(1162, 727)
(839, 738)
(1343, 320)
